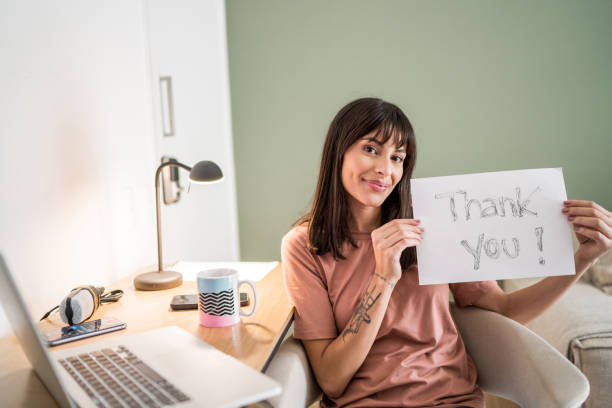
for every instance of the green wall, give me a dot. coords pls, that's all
(487, 85)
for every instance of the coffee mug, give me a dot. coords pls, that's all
(219, 297)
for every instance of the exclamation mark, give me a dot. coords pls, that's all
(539, 231)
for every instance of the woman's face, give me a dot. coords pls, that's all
(371, 170)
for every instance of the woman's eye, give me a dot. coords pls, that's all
(398, 159)
(369, 149)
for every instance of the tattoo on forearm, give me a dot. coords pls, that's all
(361, 314)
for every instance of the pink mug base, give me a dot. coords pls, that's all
(207, 320)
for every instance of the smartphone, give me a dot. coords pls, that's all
(186, 302)
(83, 330)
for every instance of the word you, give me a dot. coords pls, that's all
(492, 248)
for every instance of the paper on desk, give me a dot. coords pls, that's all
(486, 226)
(254, 271)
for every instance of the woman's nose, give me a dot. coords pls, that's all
(383, 166)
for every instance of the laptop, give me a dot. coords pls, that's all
(157, 368)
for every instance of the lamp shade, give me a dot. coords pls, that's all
(205, 172)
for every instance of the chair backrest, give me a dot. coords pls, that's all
(290, 367)
(515, 363)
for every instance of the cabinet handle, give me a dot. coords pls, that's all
(167, 106)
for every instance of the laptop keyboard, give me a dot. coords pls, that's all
(117, 378)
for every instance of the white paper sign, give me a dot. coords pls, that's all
(490, 226)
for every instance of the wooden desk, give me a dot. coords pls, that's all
(253, 341)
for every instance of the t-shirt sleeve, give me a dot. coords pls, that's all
(306, 289)
(466, 293)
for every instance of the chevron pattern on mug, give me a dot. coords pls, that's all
(218, 291)
(218, 304)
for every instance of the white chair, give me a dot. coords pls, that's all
(512, 362)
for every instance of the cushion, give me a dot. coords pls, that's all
(592, 354)
(600, 274)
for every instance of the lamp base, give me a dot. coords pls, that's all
(158, 280)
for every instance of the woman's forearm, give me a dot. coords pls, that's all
(526, 304)
(343, 356)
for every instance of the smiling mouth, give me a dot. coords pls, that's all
(376, 185)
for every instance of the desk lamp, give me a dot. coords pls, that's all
(202, 173)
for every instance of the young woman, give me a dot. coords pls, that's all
(373, 336)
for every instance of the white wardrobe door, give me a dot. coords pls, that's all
(187, 49)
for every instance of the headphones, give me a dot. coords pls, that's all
(82, 302)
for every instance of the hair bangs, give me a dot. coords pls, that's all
(393, 129)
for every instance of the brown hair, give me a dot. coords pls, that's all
(329, 216)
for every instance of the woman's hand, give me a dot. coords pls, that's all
(593, 226)
(389, 241)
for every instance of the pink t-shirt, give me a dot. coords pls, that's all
(418, 358)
